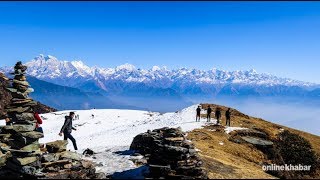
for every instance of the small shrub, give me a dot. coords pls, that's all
(296, 150)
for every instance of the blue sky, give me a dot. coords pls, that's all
(282, 38)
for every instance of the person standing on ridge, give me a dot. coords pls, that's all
(198, 114)
(67, 129)
(209, 110)
(218, 115)
(228, 115)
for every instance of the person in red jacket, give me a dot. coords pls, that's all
(39, 121)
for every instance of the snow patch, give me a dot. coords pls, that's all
(230, 129)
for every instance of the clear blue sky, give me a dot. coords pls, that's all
(282, 38)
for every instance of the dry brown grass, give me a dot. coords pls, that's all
(233, 160)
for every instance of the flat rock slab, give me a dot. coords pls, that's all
(31, 103)
(4, 136)
(57, 146)
(33, 134)
(69, 155)
(20, 101)
(257, 141)
(25, 161)
(24, 83)
(51, 157)
(31, 147)
(15, 150)
(10, 109)
(21, 127)
(24, 117)
(60, 163)
(175, 139)
(249, 132)
(18, 153)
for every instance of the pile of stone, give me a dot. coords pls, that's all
(21, 154)
(20, 109)
(169, 154)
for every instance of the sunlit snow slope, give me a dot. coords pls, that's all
(113, 130)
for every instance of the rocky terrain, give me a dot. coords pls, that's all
(241, 150)
(5, 98)
(21, 154)
(169, 154)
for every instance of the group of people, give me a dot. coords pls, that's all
(217, 115)
(76, 117)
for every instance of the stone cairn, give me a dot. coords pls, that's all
(169, 154)
(21, 154)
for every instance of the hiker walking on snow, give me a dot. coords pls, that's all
(218, 115)
(228, 114)
(67, 129)
(198, 114)
(209, 110)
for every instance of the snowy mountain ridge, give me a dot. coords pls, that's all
(56, 71)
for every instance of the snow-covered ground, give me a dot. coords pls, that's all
(112, 131)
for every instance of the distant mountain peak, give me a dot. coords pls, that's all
(253, 71)
(46, 58)
(126, 66)
(155, 68)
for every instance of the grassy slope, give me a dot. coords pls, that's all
(232, 160)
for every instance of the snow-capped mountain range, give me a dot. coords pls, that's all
(181, 85)
(49, 68)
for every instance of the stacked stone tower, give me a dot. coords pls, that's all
(20, 109)
(20, 148)
(20, 152)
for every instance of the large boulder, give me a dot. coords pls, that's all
(257, 141)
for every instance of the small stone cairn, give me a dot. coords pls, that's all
(21, 154)
(169, 154)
